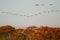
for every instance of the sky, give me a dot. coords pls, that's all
(23, 13)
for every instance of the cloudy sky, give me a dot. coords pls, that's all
(23, 13)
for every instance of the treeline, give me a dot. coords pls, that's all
(30, 33)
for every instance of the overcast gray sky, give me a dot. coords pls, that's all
(22, 13)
